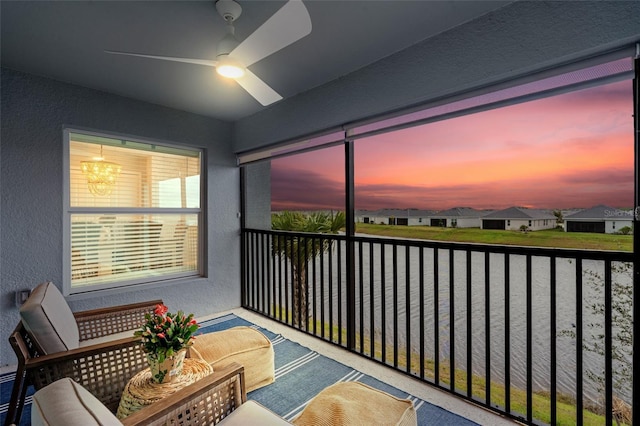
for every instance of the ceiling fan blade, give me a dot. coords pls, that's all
(167, 58)
(258, 88)
(286, 26)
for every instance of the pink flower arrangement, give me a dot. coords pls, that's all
(164, 333)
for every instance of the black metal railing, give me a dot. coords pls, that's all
(496, 325)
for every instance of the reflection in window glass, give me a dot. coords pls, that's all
(170, 193)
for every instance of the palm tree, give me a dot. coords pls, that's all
(300, 250)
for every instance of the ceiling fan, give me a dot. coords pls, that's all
(285, 27)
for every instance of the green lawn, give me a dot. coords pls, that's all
(547, 238)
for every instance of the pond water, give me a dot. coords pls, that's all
(408, 274)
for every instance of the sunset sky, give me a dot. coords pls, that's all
(572, 150)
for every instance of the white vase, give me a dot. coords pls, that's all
(168, 370)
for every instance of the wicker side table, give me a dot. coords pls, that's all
(142, 390)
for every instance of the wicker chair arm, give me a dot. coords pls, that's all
(103, 369)
(114, 319)
(207, 401)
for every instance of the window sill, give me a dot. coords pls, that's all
(102, 292)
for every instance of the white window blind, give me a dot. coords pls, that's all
(134, 212)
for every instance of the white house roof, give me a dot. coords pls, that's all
(520, 213)
(396, 213)
(460, 212)
(600, 212)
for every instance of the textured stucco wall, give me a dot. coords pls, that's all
(34, 111)
(520, 38)
(258, 195)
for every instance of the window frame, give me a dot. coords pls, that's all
(68, 211)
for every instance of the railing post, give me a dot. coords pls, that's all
(243, 248)
(350, 255)
(636, 240)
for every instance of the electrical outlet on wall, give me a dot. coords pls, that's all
(22, 296)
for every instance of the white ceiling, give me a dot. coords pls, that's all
(65, 40)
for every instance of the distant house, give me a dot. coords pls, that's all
(406, 217)
(418, 217)
(599, 219)
(513, 218)
(363, 216)
(458, 217)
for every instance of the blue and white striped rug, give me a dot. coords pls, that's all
(300, 375)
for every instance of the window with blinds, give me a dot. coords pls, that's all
(134, 212)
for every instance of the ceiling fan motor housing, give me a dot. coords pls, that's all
(228, 42)
(228, 9)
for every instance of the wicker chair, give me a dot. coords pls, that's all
(101, 360)
(207, 401)
(217, 398)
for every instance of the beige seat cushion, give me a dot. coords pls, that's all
(354, 403)
(66, 403)
(48, 318)
(243, 345)
(252, 413)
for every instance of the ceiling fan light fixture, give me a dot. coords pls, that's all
(229, 67)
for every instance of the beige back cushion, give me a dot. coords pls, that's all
(66, 403)
(49, 320)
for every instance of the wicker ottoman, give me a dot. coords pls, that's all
(354, 403)
(243, 345)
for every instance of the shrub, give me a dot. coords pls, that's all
(625, 230)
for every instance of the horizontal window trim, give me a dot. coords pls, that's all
(119, 139)
(126, 210)
(93, 292)
(138, 145)
(135, 282)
